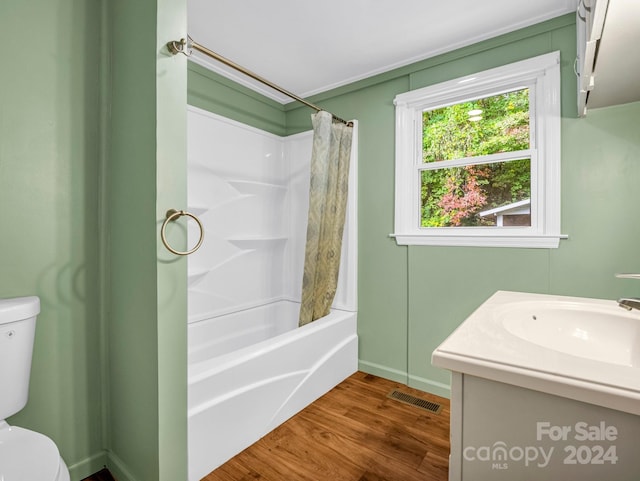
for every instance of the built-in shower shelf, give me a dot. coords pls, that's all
(257, 242)
(250, 187)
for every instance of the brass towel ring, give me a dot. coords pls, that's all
(173, 214)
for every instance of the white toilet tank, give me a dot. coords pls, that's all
(17, 329)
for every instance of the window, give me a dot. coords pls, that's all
(478, 159)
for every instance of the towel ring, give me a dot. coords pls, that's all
(173, 214)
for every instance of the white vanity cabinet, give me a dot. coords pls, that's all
(544, 387)
(502, 432)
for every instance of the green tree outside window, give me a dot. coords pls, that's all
(454, 196)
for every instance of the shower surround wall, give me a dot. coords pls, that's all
(250, 367)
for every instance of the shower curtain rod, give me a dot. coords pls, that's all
(185, 46)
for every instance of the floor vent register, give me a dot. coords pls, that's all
(403, 397)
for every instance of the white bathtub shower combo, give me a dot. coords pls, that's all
(250, 366)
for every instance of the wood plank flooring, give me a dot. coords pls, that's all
(352, 433)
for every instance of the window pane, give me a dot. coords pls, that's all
(480, 127)
(482, 195)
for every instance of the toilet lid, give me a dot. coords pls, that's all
(26, 455)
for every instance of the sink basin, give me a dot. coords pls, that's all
(575, 347)
(593, 331)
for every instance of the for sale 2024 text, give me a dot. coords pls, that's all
(583, 443)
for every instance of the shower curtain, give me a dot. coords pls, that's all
(327, 208)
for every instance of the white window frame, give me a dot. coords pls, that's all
(542, 76)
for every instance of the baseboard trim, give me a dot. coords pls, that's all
(430, 386)
(382, 371)
(88, 466)
(118, 468)
(417, 382)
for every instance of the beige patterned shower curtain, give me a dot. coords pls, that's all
(327, 209)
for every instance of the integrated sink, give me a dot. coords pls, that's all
(536, 373)
(579, 348)
(594, 331)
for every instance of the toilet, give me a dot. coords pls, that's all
(24, 455)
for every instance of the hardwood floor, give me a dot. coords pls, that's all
(353, 433)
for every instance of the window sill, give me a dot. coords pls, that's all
(521, 241)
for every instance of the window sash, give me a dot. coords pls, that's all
(542, 76)
(536, 195)
(480, 159)
(531, 86)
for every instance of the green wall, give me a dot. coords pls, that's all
(146, 295)
(411, 298)
(50, 148)
(92, 154)
(600, 170)
(215, 93)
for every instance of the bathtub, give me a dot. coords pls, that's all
(250, 371)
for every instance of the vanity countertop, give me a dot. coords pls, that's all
(579, 348)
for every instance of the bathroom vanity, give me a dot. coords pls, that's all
(544, 387)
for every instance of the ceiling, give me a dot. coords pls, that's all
(310, 47)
